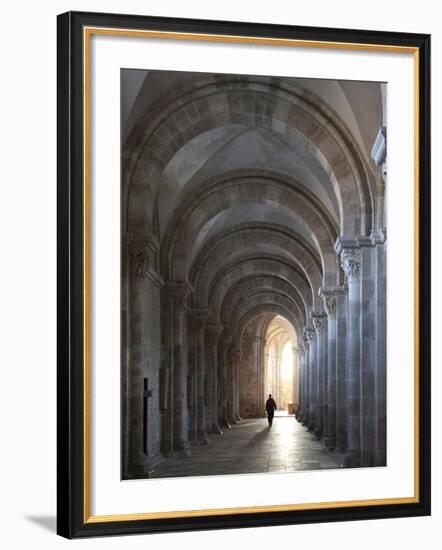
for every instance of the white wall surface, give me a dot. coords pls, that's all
(28, 240)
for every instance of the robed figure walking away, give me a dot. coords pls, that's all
(270, 408)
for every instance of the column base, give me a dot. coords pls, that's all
(300, 416)
(183, 453)
(193, 438)
(181, 449)
(352, 458)
(380, 458)
(216, 429)
(202, 438)
(144, 470)
(311, 427)
(224, 422)
(318, 433)
(330, 443)
(368, 458)
(168, 453)
(238, 418)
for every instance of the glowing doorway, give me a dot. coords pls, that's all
(282, 365)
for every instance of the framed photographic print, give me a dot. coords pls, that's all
(243, 274)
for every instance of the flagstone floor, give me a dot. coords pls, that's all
(253, 447)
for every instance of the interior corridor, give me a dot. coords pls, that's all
(252, 447)
(253, 262)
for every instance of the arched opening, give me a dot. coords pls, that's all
(281, 365)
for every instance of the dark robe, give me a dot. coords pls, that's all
(270, 406)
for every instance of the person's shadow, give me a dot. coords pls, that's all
(47, 522)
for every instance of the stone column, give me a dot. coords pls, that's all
(224, 380)
(330, 383)
(166, 386)
(296, 377)
(135, 360)
(199, 317)
(192, 370)
(306, 383)
(351, 264)
(301, 383)
(236, 358)
(220, 389)
(259, 353)
(381, 353)
(366, 332)
(325, 378)
(318, 323)
(379, 155)
(277, 374)
(270, 387)
(208, 385)
(341, 368)
(213, 333)
(231, 383)
(311, 339)
(304, 380)
(372, 347)
(329, 298)
(179, 293)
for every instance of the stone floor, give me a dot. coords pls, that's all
(253, 447)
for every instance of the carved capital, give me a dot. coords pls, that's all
(308, 336)
(179, 292)
(318, 322)
(379, 236)
(328, 295)
(330, 306)
(141, 250)
(138, 262)
(351, 263)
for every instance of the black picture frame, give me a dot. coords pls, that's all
(71, 502)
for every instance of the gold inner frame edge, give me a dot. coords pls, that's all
(134, 33)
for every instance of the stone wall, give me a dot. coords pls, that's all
(248, 379)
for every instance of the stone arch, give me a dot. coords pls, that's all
(223, 248)
(221, 100)
(255, 271)
(283, 325)
(261, 299)
(243, 187)
(268, 310)
(252, 286)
